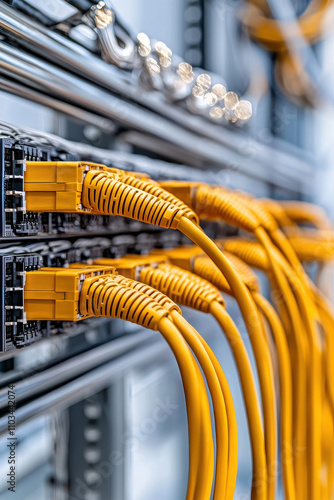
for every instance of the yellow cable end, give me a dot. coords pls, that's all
(52, 294)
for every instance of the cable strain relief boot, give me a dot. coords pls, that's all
(215, 203)
(206, 269)
(154, 189)
(185, 191)
(155, 294)
(109, 298)
(180, 288)
(248, 251)
(103, 193)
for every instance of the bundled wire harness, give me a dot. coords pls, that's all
(252, 253)
(192, 258)
(86, 291)
(297, 308)
(91, 188)
(301, 325)
(191, 290)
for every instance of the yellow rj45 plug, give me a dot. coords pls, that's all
(53, 293)
(56, 186)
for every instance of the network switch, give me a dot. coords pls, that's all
(15, 331)
(17, 222)
(16, 260)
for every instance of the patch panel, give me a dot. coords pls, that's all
(16, 332)
(16, 260)
(17, 222)
(117, 236)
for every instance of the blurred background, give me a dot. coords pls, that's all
(118, 428)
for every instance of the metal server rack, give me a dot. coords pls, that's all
(68, 385)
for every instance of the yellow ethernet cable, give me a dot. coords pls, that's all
(185, 257)
(61, 187)
(90, 188)
(315, 246)
(254, 255)
(327, 321)
(82, 187)
(199, 297)
(293, 213)
(280, 240)
(301, 212)
(149, 186)
(100, 299)
(291, 291)
(307, 244)
(327, 315)
(326, 348)
(250, 215)
(309, 317)
(192, 257)
(311, 321)
(193, 291)
(74, 294)
(312, 245)
(226, 427)
(254, 327)
(236, 208)
(327, 447)
(218, 398)
(286, 392)
(231, 417)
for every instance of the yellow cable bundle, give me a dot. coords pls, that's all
(195, 292)
(180, 287)
(291, 213)
(226, 465)
(103, 192)
(112, 297)
(250, 215)
(291, 317)
(81, 291)
(254, 255)
(204, 267)
(311, 245)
